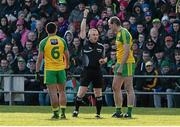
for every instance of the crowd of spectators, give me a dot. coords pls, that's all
(154, 25)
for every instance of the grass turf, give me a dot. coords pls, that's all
(37, 116)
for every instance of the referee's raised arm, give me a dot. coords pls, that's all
(83, 25)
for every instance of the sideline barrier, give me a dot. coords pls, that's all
(10, 92)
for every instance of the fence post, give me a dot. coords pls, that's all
(10, 92)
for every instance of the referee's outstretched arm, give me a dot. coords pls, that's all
(83, 25)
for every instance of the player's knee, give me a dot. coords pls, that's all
(115, 88)
(97, 93)
(130, 90)
(81, 93)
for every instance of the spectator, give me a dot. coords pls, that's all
(150, 46)
(133, 24)
(10, 10)
(177, 80)
(137, 52)
(4, 69)
(176, 31)
(140, 67)
(72, 86)
(122, 15)
(165, 85)
(40, 31)
(22, 69)
(4, 25)
(113, 4)
(154, 35)
(30, 5)
(12, 61)
(100, 27)
(94, 11)
(33, 38)
(75, 55)
(16, 51)
(157, 25)
(7, 48)
(148, 21)
(28, 50)
(31, 84)
(44, 6)
(77, 14)
(111, 62)
(16, 40)
(148, 84)
(62, 24)
(169, 47)
(165, 23)
(158, 58)
(140, 30)
(110, 11)
(62, 8)
(137, 11)
(126, 24)
(21, 28)
(141, 41)
(68, 37)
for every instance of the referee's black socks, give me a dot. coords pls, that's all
(98, 105)
(77, 103)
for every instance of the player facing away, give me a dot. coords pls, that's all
(93, 53)
(56, 59)
(123, 69)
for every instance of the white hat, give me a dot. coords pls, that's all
(148, 63)
(165, 17)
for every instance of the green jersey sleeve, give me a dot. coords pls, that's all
(65, 44)
(42, 44)
(125, 36)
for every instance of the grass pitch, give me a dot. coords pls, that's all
(40, 116)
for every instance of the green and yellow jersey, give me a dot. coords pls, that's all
(124, 37)
(53, 48)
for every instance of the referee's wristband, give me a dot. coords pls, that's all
(84, 17)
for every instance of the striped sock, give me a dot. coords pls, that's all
(55, 111)
(63, 108)
(129, 109)
(118, 110)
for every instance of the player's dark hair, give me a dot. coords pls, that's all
(115, 20)
(51, 28)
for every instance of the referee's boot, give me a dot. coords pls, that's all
(98, 116)
(75, 114)
(117, 115)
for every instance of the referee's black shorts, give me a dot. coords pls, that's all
(93, 76)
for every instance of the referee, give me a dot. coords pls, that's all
(93, 55)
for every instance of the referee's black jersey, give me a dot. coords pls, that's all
(91, 53)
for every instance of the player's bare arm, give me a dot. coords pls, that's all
(39, 60)
(66, 54)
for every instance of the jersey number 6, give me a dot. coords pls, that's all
(55, 52)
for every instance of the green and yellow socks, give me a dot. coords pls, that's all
(56, 112)
(118, 110)
(129, 110)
